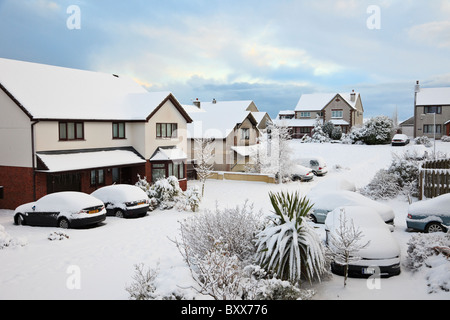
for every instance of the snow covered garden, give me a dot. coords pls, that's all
(113, 260)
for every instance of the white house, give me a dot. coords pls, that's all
(67, 129)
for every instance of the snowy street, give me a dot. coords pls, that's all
(102, 259)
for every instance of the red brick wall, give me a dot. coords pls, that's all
(18, 186)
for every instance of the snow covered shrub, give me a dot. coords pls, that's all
(236, 227)
(383, 186)
(219, 273)
(143, 287)
(378, 130)
(401, 176)
(288, 246)
(163, 194)
(318, 133)
(445, 139)
(423, 140)
(190, 199)
(421, 245)
(336, 134)
(6, 241)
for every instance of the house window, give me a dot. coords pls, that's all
(118, 130)
(176, 169)
(245, 133)
(428, 128)
(337, 113)
(166, 130)
(97, 177)
(71, 131)
(433, 109)
(305, 114)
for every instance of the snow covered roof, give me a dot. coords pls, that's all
(51, 92)
(72, 161)
(168, 153)
(317, 101)
(218, 119)
(433, 97)
(339, 122)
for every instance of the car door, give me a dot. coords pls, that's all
(40, 217)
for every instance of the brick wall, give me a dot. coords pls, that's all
(18, 186)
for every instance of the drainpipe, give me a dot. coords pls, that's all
(33, 159)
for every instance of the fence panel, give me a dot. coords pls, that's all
(434, 178)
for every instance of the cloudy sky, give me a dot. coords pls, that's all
(267, 51)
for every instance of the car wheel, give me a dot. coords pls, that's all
(19, 219)
(63, 223)
(434, 227)
(119, 213)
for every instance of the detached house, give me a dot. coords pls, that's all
(342, 109)
(431, 112)
(64, 129)
(233, 125)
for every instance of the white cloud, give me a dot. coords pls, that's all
(435, 33)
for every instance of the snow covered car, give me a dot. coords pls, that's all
(400, 140)
(432, 215)
(61, 209)
(378, 253)
(123, 200)
(301, 173)
(317, 165)
(326, 201)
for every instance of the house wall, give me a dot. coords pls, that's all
(314, 114)
(15, 135)
(358, 115)
(168, 113)
(429, 119)
(96, 135)
(339, 105)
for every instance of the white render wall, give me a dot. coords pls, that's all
(15, 134)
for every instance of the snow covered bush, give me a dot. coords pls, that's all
(433, 251)
(445, 139)
(377, 130)
(163, 194)
(424, 140)
(234, 226)
(288, 246)
(318, 134)
(190, 199)
(6, 241)
(421, 245)
(401, 177)
(143, 287)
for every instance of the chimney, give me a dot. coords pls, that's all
(353, 96)
(417, 88)
(197, 103)
(214, 101)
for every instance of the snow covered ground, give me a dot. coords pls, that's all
(98, 263)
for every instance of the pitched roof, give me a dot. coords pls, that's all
(217, 120)
(433, 96)
(51, 92)
(317, 101)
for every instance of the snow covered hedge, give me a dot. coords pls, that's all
(431, 250)
(377, 130)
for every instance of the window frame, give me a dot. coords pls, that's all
(339, 111)
(117, 136)
(162, 130)
(78, 133)
(432, 110)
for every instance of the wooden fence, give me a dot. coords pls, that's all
(434, 178)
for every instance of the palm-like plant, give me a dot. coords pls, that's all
(289, 246)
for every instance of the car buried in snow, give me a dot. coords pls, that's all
(325, 201)
(123, 200)
(61, 209)
(431, 215)
(302, 173)
(400, 140)
(378, 253)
